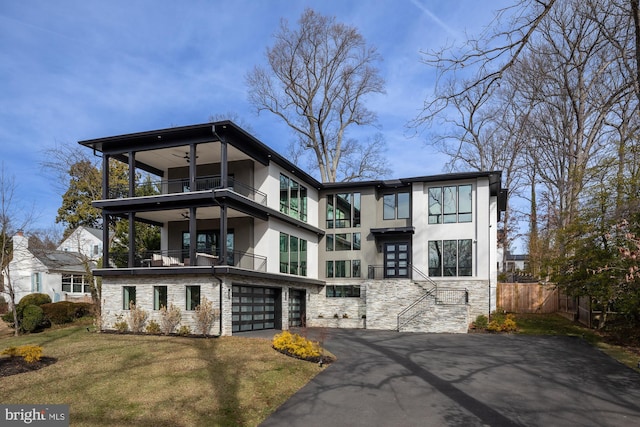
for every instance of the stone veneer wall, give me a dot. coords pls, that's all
(322, 311)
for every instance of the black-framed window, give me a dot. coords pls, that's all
(343, 241)
(396, 206)
(192, 297)
(450, 204)
(207, 242)
(293, 198)
(450, 258)
(128, 297)
(343, 268)
(159, 297)
(293, 255)
(343, 291)
(343, 210)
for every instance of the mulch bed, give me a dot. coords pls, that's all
(17, 365)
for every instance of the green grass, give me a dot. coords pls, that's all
(118, 380)
(554, 324)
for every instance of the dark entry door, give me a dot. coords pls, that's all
(296, 307)
(396, 259)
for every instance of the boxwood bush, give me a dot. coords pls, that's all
(66, 311)
(32, 318)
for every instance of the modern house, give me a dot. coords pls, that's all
(272, 247)
(61, 274)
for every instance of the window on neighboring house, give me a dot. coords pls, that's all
(76, 283)
(343, 268)
(293, 198)
(96, 249)
(396, 206)
(36, 282)
(159, 297)
(343, 210)
(193, 297)
(128, 297)
(343, 291)
(450, 204)
(343, 242)
(293, 255)
(450, 258)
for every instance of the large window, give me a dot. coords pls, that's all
(343, 210)
(343, 242)
(293, 255)
(450, 204)
(128, 297)
(343, 268)
(207, 242)
(159, 297)
(193, 297)
(450, 258)
(76, 283)
(396, 206)
(293, 198)
(344, 291)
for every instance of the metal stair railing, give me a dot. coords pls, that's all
(414, 309)
(424, 276)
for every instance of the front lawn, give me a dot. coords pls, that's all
(143, 380)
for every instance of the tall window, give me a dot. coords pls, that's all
(293, 198)
(128, 297)
(450, 204)
(450, 258)
(343, 268)
(396, 206)
(159, 297)
(343, 210)
(193, 297)
(36, 282)
(293, 255)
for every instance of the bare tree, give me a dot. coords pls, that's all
(316, 82)
(12, 219)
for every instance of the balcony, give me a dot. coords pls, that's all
(180, 259)
(182, 185)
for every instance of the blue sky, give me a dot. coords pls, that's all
(74, 70)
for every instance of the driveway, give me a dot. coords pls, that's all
(385, 378)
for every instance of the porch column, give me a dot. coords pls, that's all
(224, 172)
(192, 167)
(132, 174)
(105, 216)
(193, 238)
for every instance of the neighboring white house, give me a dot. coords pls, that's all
(84, 240)
(61, 274)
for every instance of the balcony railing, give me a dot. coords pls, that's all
(180, 258)
(183, 185)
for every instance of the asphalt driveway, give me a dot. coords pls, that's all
(385, 378)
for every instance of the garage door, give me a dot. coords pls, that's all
(254, 308)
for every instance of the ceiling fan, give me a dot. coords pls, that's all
(186, 156)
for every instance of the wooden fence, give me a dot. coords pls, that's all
(527, 298)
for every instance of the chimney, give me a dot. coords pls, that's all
(20, 242)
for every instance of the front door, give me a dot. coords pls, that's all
(396, 259)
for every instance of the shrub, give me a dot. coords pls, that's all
(297, 346)
(32, 299)
(30, 353)
(153, 327)
(32, 318)
(481, 322)
(169, 318)
(184, 330)
(137, 317)
(205, 316)
(501, 322)
(120, 324)
(59, 312)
